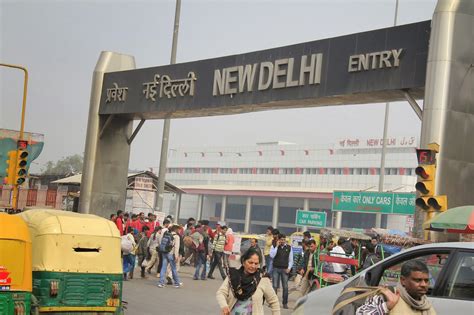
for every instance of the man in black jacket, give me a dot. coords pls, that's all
(282, 256)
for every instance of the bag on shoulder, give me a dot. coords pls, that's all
(352, 298)
(166, 244)
(126, 245)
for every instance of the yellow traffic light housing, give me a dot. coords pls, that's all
(21, 172)
(422, 202)
(10, 170)
(439, 203)
(426, 185)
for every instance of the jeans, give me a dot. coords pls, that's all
(269, 264)
(200, 260)
(169, 258)
(277, 274)
(128, 263)
(216, 261)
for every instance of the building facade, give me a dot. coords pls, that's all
(253, 187)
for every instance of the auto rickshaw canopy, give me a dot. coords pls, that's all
(13, 228)
(65, 241)
(15, 253)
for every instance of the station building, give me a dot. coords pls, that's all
(252, 187)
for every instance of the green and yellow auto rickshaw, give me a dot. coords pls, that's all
(15, 266)
(76, 262)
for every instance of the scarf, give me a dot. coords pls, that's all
(243, 285)
(422, 305)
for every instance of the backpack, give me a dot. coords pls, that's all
(166, 244)
(352, 298)
(198, 239)
(126, 245)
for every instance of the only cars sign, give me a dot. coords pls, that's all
(374, 202)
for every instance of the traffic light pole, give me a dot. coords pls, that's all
(167, 122)
(22, 123)
(378, 216)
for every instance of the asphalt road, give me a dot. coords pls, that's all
(195, 297)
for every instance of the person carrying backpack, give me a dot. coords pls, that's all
(217, 254)
(200, 251)
(169, 249)
(142, 250)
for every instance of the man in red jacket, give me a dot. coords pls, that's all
(119, 221)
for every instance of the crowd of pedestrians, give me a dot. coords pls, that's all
(146, 243)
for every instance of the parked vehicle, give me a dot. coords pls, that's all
(76, 262)
(451, 268)
(242, 244)
(15, 265)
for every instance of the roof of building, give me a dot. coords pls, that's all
(77, 179)
(259, 191)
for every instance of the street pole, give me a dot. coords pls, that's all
(378, 216)
(167, 122)
(22, 124)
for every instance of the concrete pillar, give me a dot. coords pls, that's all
(199, 207)
(248, 209)
(338, 222)
(276, 207)
(107, 152)
(223, 207)
(305, 208)
(178, 206)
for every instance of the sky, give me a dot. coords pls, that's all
(59, 42)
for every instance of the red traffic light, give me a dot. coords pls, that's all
(426, 156)
(22, 144)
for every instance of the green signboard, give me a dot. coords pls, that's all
(374, 202)
(310, 218)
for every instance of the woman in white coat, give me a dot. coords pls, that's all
(244, 289)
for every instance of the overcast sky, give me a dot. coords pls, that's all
(60, 42)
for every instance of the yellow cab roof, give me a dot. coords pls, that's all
(257, 236)
(13, 228)
(48, 221)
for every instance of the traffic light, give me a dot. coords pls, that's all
(21, 171)
(10, 170)
(439, 203)
(426, 183)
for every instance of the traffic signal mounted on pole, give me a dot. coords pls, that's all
(11, 167)
(21, 171)
(426, 183)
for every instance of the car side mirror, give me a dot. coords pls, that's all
(368, 277)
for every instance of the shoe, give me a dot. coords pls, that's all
(285, 306)
(161, 285)
(195, 278)
(210, 277)
(177, 286)
(169, 281)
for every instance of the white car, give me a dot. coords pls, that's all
(451, 288)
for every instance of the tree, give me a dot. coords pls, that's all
(66, 166)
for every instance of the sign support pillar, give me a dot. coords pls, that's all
(248, 209)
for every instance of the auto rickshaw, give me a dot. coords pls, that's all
(15, 266)
(76, 262)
